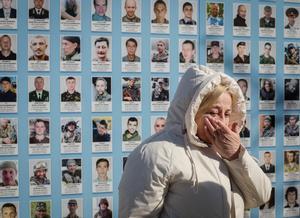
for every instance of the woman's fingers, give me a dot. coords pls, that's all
(211, 129)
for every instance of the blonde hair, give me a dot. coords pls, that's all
(210, 98)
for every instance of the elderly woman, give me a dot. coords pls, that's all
(196, 166)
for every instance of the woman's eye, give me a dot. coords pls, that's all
(213, 113)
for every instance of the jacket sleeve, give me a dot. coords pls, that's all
(144, 183)
(251, 180)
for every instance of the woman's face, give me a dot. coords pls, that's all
(220, 110)
(267, 86)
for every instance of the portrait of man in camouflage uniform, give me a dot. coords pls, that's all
(40, 174)
(72, 174)
(8, 133)
(70, 132)
(71, 94)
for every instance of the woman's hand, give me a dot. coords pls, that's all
(225, 140)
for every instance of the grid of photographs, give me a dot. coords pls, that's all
(83, 83)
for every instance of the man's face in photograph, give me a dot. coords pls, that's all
(6, 86)
(8, 176)
(68, 47)
(100, 7)
(40, 173)
(130, 7)
(214, 10)
(9, 212)
(38, 46)
(242, 11)
(160, 11)
(132, 126)
(6, 4)
(39, 128)
(39, 84)
(188, 11)
(101, 49)
(5, 43)
(241, 49)
(101, 129)
(187, 51)
(267, 158)
(38, 4)
(100, 86)
(131, 48)
(72, 167)
(71, 85)
(160, 46)
(267, 50)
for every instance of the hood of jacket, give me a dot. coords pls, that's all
(194, 85)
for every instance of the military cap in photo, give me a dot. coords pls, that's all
(71, 161)
(8, 164)
(41, 206)
(215, 43)
(290, 46)
(241, 43)
(268, 118)
(6, 78)
(72, 122)
(41, 165)
(292, 11)
(72, 201)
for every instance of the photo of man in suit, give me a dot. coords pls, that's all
(5, 45)
(7, 11)
(39, 94)
(38, 12)
(268, 167)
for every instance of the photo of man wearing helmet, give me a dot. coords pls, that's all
(40, 169)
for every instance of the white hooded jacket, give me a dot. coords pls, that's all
(175, 174)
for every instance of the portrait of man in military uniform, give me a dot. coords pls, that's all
(8, 131)
(131, 90)
(39, 132)
(291, 161)
(71, 94)
(160, 89)
(161, 54)
(188, 51)
(39, 94)
(291, 55)
(71, 132)
(130, 7)
(214, 53)
(241, 57)
(41, 210)
(72, 174)
(102, 88)
(9, 173)
(7, 90)
(39, 177)
(72, 207)
(132, 133)
(266, 57)
(267, 21)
